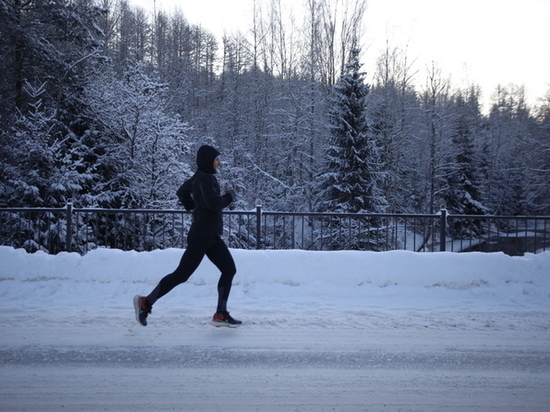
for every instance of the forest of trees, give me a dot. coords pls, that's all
(104, 104)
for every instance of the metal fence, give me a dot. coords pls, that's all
(55, 230)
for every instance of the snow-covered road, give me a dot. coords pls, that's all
(254, 368)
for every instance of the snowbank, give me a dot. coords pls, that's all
(366, 279)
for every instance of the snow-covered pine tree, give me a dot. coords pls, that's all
(351, 182)
(353, 175)
(462, 194)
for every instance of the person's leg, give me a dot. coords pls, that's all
(190, 261)
(221, 257)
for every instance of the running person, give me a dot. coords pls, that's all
(201, 194)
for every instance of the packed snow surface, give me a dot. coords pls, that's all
(322, 331)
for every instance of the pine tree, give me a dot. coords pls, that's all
(353, 176)
(462, 194)
(352, 180)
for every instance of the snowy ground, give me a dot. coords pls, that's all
(322, 331)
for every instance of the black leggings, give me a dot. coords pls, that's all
(197, 247)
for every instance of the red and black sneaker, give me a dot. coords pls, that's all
(224, 319)
(142, 308)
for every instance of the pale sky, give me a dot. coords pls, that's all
(483, 42)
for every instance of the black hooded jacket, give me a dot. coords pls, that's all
(201, 193)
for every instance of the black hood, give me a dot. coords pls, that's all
(205, 158)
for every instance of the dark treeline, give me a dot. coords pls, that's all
(104, 104)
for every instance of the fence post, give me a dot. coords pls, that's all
(443, 228)
(69, 234)
(258, 223)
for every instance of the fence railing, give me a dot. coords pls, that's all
(70, 229)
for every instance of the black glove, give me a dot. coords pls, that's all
(233, 195)
(189, 204)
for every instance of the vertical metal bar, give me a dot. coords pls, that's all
(526, 225)
(320, 233)
(340, 224)
(303, 234)
(69, 234)
(388, 235)
(544, 236)
(517, 228)
(293, 238)
(97, 231)
(413, 231)
(84, 250)
(395, 232)
(404, 232)
(248, 218)
(275, 222)
(283, 234)
(258, 224)
(77, 228)
(535, 237)
(350, 231)
(443, 223)
(359, 228)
